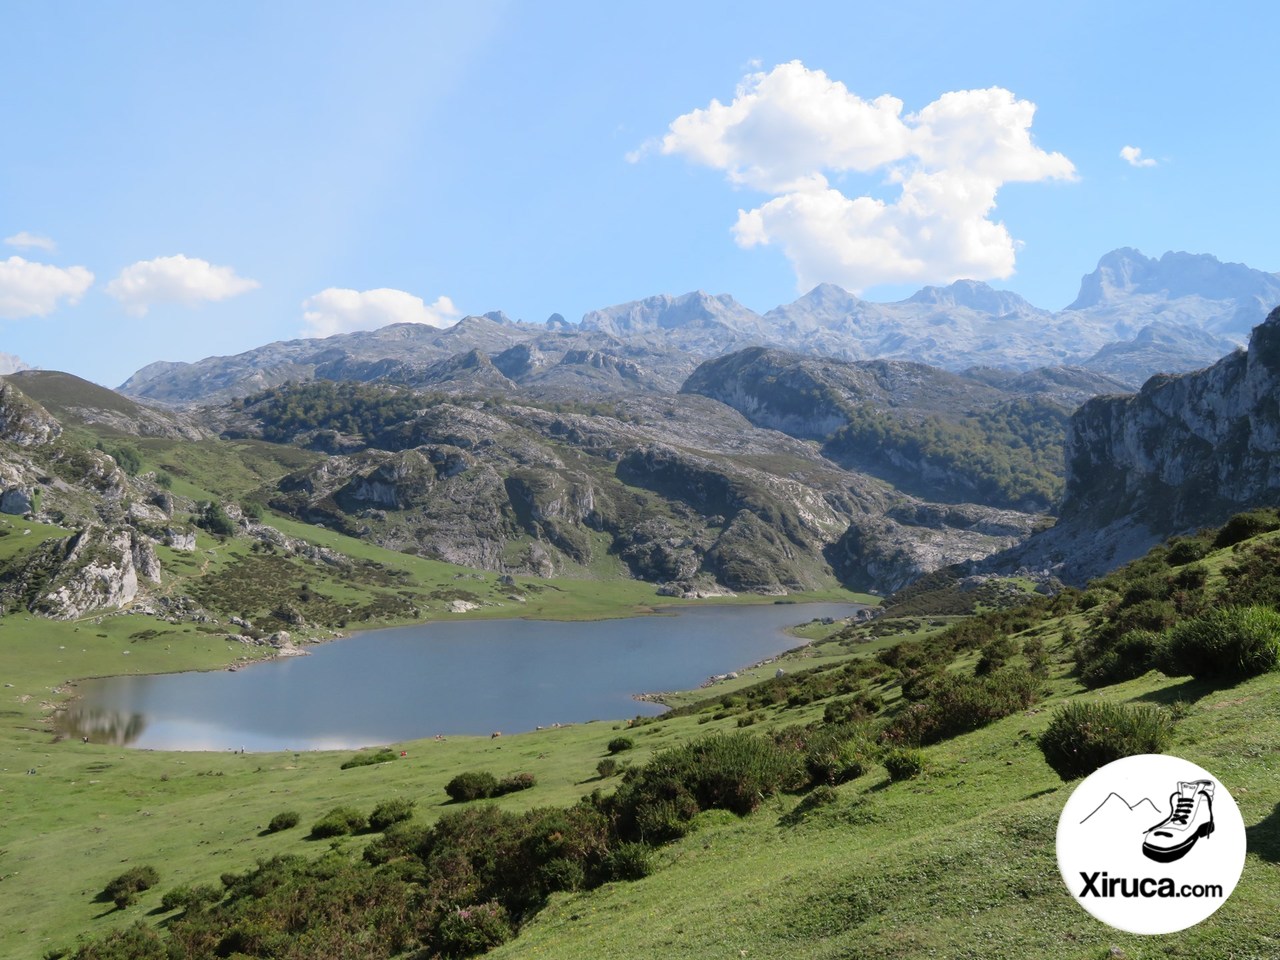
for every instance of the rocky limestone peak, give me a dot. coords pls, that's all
(1127, 273)
(974, 295)
(665, 312)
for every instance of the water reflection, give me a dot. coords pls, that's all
(101, 725)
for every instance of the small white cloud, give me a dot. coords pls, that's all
(1133, 156)
(176, 279)
(786, 130)
(28, 241)
(338, 310)
(30, 289)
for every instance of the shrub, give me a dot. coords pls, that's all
(1245, 525)
(138, 942)
(1082, 737)
(619, 744)
(472, 785)
(835, 756)
(390, 811)
(629, 861)
(1229, 642)
(515, 783)
(467, 931)
(190, 898)
(284, 820)
(338, 822)
(1189, 550)
(1132, 655)
(955, 704)
(607, 768)
(562, 873)
(903, 764)
(367, 759)
(133, 881)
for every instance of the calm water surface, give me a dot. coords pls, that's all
(453, 677)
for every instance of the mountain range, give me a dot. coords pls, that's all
(1134, 316)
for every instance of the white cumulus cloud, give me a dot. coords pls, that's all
(338, 310)
(1133, 156)
(26, 241)
(787, 131)
(176, 279)
(30, 289)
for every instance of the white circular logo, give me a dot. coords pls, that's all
(1151, 844)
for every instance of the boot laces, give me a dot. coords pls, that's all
(1183, 810)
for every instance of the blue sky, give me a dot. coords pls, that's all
(224, 170)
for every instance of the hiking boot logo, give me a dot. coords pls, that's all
(1190, 818)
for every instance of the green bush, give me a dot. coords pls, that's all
(515, 783)
(124, 888)
(368, 759)
(1246, 525)
(284, 820)
(629, 861)
(467, 931)
(473, 785)
(388, 812)
(138, 942)
(607, 768)
(1084, 736)
(1230, 642)
(1131, 655)
(835, 755)
(338, 822)
(619, 744)
(902, 764)
(190, 898)
(1189, 550)
(954, 704)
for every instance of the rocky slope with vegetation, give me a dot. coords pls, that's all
(1185, 451)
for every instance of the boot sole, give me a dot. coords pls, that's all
(1169, 854)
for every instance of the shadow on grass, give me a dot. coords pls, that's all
(1188, 691)
(1264, 837)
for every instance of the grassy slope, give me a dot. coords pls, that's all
(89, 809)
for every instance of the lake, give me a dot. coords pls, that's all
(444, 677)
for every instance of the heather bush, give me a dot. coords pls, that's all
(619, 744)
(472, 785)
(955, 704)
(902, 764)
(338, 822)
(284, 820)
(1229, 642)
(467, 931)
(1083, 736)
(124, 888)
(391, 811)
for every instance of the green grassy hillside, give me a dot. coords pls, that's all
(957, 861)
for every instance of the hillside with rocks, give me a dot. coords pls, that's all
(1184, 452)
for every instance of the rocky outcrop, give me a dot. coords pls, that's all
(24, 422)
(1184, 452)
(96, 569)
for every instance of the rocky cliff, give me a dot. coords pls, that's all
(1184, 452)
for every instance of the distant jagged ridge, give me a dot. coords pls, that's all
(1134, 316)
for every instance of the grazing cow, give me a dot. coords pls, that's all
(495, 735)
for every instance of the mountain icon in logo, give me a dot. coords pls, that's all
(1116, 812)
